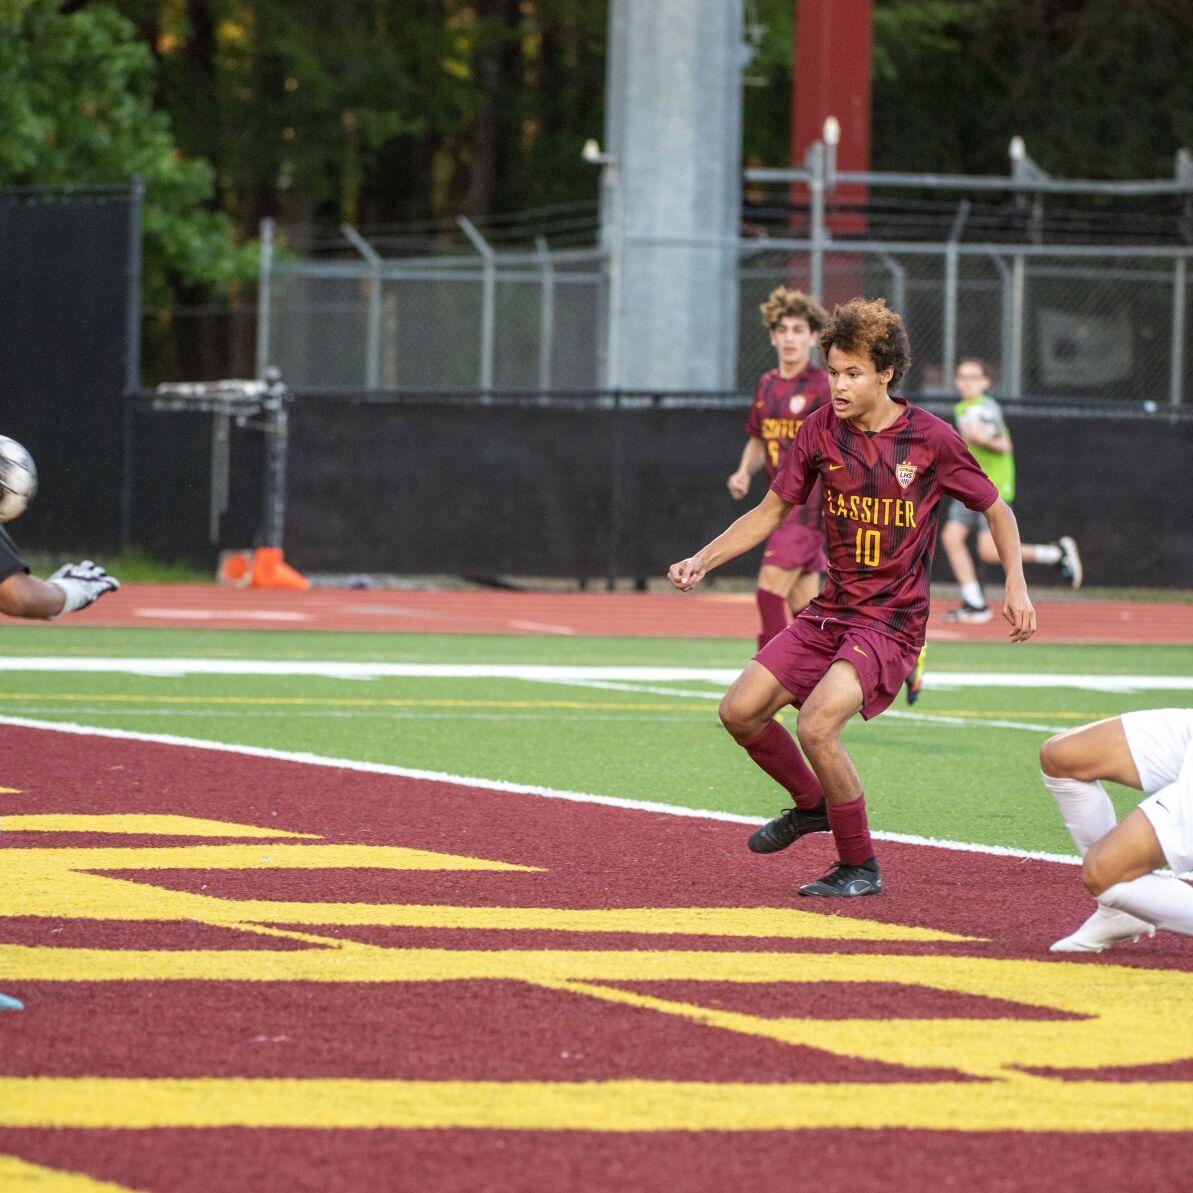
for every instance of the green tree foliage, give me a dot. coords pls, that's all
(76, 107)
(1098, 88)
(381, 110)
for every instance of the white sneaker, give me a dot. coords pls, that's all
(1105, 927)
(1070, 561)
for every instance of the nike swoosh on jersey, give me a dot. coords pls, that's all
(861, 652)
(834, 467)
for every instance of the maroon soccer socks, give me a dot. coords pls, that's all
(775, 752)
(772, 608)
(851, 831)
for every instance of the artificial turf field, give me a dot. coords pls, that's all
(437, 965)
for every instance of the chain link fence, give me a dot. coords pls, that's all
(514, 320)
(1049, 321)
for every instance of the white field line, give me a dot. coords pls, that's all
(579, 797)
(175, 614)
(543, 673)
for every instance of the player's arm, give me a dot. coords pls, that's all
(753, 456)
(23, 595)
(73, 586)
(1016, 607)
(747, 532)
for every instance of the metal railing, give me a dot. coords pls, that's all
(1052, 319)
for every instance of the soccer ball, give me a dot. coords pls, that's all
(18, 479)
(977, 421)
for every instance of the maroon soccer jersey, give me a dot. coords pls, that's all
(881, 499)
(780, 406)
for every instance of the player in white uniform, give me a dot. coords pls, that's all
(1153, 752)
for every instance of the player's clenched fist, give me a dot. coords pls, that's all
(687, 573)
(739, 484)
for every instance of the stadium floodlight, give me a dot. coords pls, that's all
(1017, 149)
(832, 131)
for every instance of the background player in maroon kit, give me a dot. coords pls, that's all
(794, 555)
(884, 466)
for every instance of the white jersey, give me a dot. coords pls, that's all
(1161, 743)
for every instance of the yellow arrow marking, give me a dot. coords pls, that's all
(1013, 1105)
(16, 1173)
(141, 824)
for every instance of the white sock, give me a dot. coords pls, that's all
(1161, 899)
(971, 594)
(1084, 807)
(1047, 553)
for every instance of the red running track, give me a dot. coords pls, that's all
(661, 615)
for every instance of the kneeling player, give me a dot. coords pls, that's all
(884, 466)
(1152, 752)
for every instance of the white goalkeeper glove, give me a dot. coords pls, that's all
(81, 584)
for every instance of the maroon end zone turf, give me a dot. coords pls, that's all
(474, 1029)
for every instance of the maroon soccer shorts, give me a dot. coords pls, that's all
(799, 657)
(794, 546)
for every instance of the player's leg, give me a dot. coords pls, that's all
(1071, 765)
(804, 589)
(771, 596)
(915, 681)
(1062, 555)
(822, 718)
(953, 538)
(747, 711)
(1118, 870)
(1143, 750)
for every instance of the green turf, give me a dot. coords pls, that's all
(496, 648)
(971, 781)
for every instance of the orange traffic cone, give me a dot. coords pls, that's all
(235, 568)
(270, 570)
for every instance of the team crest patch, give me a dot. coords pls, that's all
(905, 473)
(797, 403)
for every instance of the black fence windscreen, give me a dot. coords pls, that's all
(67, 332)
(595, 486)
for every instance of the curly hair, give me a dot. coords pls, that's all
(869, 329)
(783, 303)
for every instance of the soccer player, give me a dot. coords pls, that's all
(884, 466)
(74, 586)
(1153, 752)
(979, 419)
(793, 558)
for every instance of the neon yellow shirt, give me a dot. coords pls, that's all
(998, 466)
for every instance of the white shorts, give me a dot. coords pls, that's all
(1161, 744)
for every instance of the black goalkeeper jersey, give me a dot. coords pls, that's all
(10, 558)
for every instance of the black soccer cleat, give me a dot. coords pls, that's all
(843, 882)
(788, 827)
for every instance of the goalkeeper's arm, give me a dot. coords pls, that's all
(72, 587)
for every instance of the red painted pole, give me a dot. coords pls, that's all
(833, 41)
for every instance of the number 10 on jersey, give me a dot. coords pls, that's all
(868, 544)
